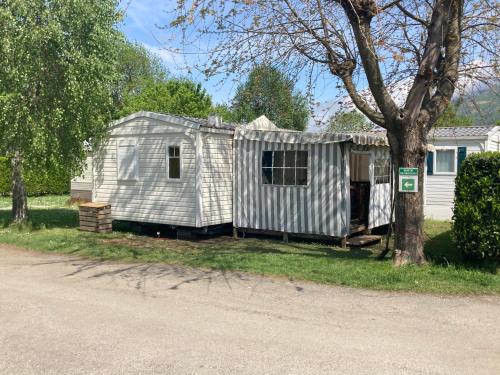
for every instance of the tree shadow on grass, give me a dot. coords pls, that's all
(307, 249)
(44, 218)
(441, 250)
(213, 246)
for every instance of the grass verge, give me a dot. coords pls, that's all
(53, 228)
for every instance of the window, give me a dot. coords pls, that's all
(445, 161)
(382, 171)
(127, 161)
(284, 168)
(174, 162)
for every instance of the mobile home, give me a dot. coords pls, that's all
(82, 187)
(448, 146)
(164, 169)
(310, 184)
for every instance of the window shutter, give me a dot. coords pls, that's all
(127, 161)
(430, 163)
(461, 155)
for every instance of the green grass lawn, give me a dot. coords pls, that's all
(53, 228)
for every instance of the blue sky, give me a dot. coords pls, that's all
(141, 25)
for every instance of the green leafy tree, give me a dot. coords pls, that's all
(137, 68)
(57, 70)
(144, 85)
(177, 96)
(225, 112)
(353, 121)
(270, 92)
(451, 117)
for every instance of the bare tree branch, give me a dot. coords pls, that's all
(412, 16)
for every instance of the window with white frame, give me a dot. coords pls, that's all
(174, 162)
(127, 161)
(382, 171)
(284, 168)
(445, 160)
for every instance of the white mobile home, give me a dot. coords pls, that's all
(448, 147)
(308, 183)
(82, 187)
(165, 169)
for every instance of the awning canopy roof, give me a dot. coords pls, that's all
(290, 136)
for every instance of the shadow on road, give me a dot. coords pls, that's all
(140, 275)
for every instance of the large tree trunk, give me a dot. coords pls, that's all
(19, 197)
(408, 144)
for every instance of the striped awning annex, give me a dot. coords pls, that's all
(320, 207)
(290, 136)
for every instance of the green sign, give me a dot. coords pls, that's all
(407, 184)
(408, 180)
(408, 171)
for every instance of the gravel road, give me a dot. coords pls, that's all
(67, 315)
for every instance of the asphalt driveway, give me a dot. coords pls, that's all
(63, 315)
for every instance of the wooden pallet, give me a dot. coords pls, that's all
(95, 217)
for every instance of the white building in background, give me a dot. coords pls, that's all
(448, 147)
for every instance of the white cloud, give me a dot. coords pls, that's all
(168, 57)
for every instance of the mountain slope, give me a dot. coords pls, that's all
(483, 106)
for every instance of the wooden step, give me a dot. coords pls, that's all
(356, 228)
(363, 240)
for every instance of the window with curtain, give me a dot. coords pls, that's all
(445, 161)
(284, 168)
(174, 162)
(382, 171)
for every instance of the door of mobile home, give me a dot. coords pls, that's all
(369, 188)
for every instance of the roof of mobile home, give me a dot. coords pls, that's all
(462, 131)
(451, 132)
(190, 122)
(290, 136)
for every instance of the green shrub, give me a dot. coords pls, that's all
(40, 183)
(4, 176)
(476, 226)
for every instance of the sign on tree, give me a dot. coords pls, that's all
(408, 180)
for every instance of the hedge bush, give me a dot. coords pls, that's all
(476, 226)
(40, 183)
(4, 176)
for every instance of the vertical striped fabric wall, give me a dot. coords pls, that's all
(318, 208)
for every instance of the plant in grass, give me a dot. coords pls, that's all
(476, 224)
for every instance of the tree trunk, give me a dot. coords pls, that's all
(408, 145)
(19, 197)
